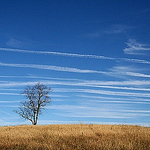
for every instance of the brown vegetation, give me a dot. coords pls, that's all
(79, 137)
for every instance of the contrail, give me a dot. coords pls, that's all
(75, 55)
(68, 69)
(54, 68)
(55, 53)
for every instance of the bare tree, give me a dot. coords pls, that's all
(38, 98)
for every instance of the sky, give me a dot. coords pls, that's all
(94, 54)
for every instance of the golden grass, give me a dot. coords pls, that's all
(78, 137)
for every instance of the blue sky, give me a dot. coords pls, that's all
(94, 54)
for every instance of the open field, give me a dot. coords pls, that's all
(78, 137)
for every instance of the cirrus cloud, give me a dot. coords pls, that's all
(133, 47)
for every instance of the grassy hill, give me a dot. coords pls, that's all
(78, 137)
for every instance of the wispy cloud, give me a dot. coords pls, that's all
(14, 43)
(9, 114)
(123, 88)
(127, 71)
(113, 29)
(19, 42)
(104, 92)
(85, 111)
(121, 85)
(117, 29)
(9, 101)
(73, 70)
(54, 68)
(106, 98)
(56, 53)
(121, 102)
(133, 47)
(93, 35)
(105, 111)
(75, 55)
(13, 84)
(4, 93)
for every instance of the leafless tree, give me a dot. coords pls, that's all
(37, 98)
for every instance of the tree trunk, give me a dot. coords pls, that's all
(34, 123)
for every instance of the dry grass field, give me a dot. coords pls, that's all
(75, 137)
